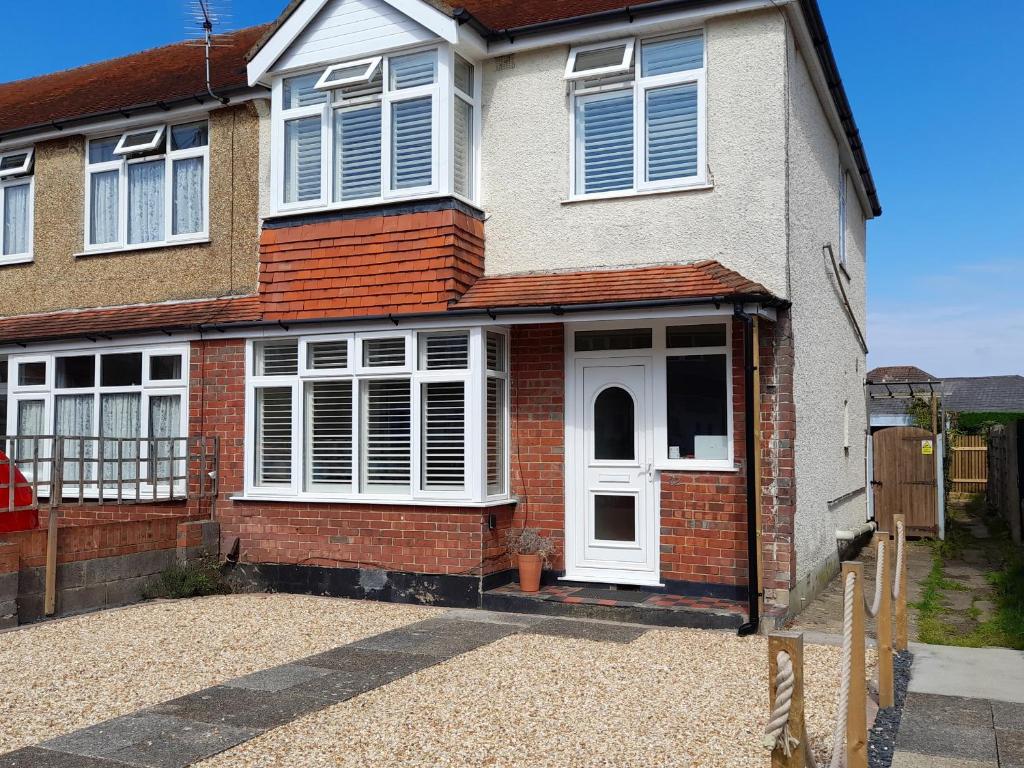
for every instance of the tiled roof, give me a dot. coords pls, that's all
(509, 14)
(704, 280)
(178, 315)
(898, 374)
(983, 394)
(166, 74)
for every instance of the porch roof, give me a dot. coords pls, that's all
(168, 316)
(703, 280)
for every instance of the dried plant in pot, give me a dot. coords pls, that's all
(531, 550)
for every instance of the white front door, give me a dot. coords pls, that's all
(612, 530)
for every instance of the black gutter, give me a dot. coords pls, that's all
(201, 98)
(493, 313)
(815, 23)
(750, 442)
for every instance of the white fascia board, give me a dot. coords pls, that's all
(427, 16)
(805, 47)
(642, 25)
(121, 124)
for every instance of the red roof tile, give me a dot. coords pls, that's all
(706, 279)
(164, 74)
(507, 14)
(179, 315)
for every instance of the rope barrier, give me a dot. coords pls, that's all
(872, 610)
(900, 538)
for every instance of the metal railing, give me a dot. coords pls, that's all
(62, 470)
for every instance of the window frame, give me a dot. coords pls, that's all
(473, 378)
(443, 92)
(158, 134)
(373, 65)
(15, 178)
(121, 163)
(146, 389)
(628, 52)
(659, 353)
(639, 86)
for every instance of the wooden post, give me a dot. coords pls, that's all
(793, 644)
(883, 622)
(56, 492)
(857, 715)
(901, 578)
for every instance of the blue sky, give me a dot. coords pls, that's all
(939, 110)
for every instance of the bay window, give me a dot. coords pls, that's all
(397, 415)
(376, 129)
(638, 115)
(122, 412)
(16, 193)
(147, 186)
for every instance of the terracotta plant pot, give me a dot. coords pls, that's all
(529, 573)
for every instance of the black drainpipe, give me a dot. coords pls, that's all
(750, 440)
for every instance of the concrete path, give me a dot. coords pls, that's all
(188, 729)
(964, 709)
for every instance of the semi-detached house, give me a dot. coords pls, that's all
(431, 273)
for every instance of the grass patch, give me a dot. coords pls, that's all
(197, 578)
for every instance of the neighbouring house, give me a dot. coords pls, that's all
(428, 274)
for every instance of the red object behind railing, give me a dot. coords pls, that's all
(21, 516)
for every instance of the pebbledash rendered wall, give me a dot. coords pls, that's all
(447, 555)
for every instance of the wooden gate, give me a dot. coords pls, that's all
(905, 479)
(969, 472)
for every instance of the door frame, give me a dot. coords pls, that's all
(574, 469)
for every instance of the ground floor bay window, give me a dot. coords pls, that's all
(379, 416)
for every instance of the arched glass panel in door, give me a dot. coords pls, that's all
(614, 424)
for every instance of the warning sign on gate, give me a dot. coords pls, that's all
(927, 449)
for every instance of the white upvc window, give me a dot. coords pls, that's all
(132, 402)
(376, 129)
(399, 416)
(147, 187)
(638, 115)
(17, 191)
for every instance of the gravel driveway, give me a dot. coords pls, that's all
(64, 675)
(669, 698)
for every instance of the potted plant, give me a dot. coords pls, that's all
(532, 550)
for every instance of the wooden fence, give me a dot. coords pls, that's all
(968, 472)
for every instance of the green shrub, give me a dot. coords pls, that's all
(196, 578)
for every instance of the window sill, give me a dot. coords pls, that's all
(627, 193)
(10, 261)
(388, 500)
(696, 466)
(141, 247)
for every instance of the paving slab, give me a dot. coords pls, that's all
(1011, 746)
(368, 667)
(914, 760)
(588, 630)
(150, 739)
(237, 707)
(955, 710)
(1008, 715)
(441, 638)
(36, 757)
(922, 734)
(980, 673)
(278, 678)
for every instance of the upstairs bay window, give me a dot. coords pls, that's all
(400, 416)
(16, 192)
(147, 186)
(638, 115)
(376, 129)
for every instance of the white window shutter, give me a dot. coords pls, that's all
(329, 435)
(444, 436)
(672, 132)
(302, 159)
(387, 420)
(277, 358)
(273, 436)
(357, 149)
(495, 436)
(606, 143)
(412, 143)
(444, 351)
(463, 148)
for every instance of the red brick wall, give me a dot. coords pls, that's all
(410, 262)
